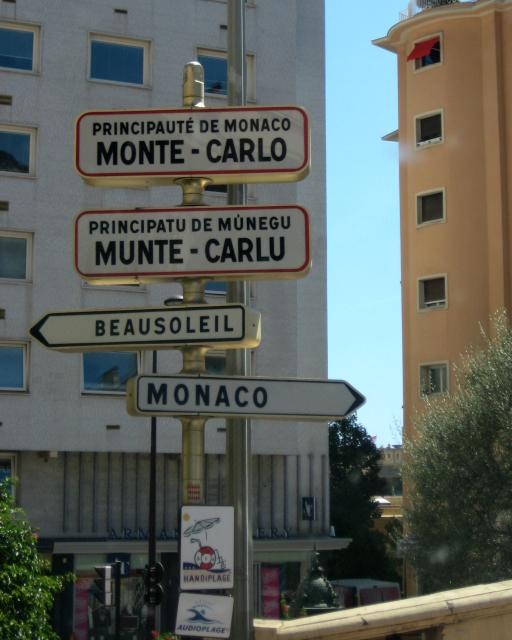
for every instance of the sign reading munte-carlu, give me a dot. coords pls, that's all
(148, 245)
(162, 146)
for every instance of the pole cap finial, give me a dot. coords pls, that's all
(193, 85)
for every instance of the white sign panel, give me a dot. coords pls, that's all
(281, 398)
(126, 247)
(207, 548)
(217, 326)
(204, 616)
(159, 146)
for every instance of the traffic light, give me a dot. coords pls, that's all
(104, 587)
(154, 591)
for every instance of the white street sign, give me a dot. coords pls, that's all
(160, 146)
(280, 398)
(148, 245)
(216, 326)
(207, 548)
(203, 615)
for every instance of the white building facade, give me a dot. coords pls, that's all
(81, 461)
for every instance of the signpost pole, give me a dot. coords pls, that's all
(238, 441)
(151, 618)
(192, 448)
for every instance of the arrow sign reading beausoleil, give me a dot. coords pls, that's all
(221, 327)
(160, 146)
(280, 398)
(147, 245)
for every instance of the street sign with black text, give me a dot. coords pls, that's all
(160, 146)
(280, 398)
(150, 245)
(226, 326)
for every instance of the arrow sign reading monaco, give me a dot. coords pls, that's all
(222, 327)
(160, 146)
(147, 245)
(279, 398)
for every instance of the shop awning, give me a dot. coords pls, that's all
(423, 48)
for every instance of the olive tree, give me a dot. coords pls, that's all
(459, 473)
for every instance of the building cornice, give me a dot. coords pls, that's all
(398, 33)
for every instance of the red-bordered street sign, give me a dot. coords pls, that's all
(147, 245)
(160, 146)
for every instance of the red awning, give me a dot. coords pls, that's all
(422, 48)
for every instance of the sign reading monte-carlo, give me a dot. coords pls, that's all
(160, 146)
(123, 247)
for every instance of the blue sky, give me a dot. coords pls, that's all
(363, 211)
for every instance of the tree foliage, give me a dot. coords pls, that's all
(459, 470)
(354, 482)
(26, 588)
(354, 469)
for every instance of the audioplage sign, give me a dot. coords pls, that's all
(203, 615)
(147, 245)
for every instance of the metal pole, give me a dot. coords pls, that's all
(117, 599)
(238, 441)
(151, 619)
(192, 439)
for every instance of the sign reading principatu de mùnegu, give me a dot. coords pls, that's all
(147, 245)
(161, 146)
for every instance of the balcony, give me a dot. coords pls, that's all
(415, 6)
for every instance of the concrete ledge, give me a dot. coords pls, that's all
(401, 616)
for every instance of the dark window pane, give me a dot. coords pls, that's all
(220, 288)
(118, 62)
(5, 470)
(108, 371)
(215, 74)
(16, 49)
(433, 379)
(13, 261)
(14, 151)
(430, 127)
(11, 367)
(218, 188)
(431, 207)
(433, 290)
(215, 364)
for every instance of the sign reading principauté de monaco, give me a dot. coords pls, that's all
(160, 146)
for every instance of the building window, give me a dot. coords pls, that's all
(16, 150)
(15, 250)
(215, 65)
(432, 292)
(216, 288)
(433, 378)
(430, 207)
(215, 73)
(215, 362)
(6, 466)
(108, 371)
(426, 52)
(429, 129)
(13, 364)
(18, 47)
(116, 60)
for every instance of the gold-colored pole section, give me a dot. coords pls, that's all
(192, 439)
